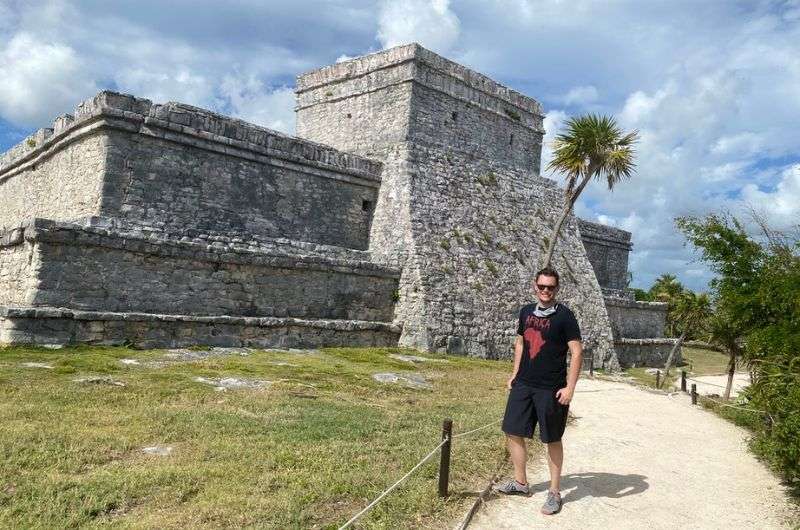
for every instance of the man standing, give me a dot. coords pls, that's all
(540, 389)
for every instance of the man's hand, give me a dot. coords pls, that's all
(510, 381)
(564, 395)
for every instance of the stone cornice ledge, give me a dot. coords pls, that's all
(137, 115)
(361, 66)
(47, 231)
(646, 342)
(623, 302)
(267, 322)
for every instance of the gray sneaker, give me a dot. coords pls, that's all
(553, 503)
(512, 487)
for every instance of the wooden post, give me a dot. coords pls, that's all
(694, 394)
(658, 378)
(683, 380)
(444, 462)
(591, 364)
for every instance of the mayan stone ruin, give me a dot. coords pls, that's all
(408, 210)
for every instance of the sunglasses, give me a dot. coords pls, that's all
(546, 287)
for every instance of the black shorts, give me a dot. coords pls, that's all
(528, 406)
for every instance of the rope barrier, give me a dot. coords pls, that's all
(393, 486)
(733, 406)
(704, 382)
(419, 464)
(476, 430)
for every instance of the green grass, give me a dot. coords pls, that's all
(696, 362)
(743, 418)
(640, 376)
(308, 451)
(699, 361)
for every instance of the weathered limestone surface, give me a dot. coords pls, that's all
(47, 325)
(636, 320)
(19, 264)
(645, 352)
(88, 268)
(181, 169)
(462, 210)
(63, 186)
(607, 249)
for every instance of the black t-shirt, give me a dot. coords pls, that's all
(544, 354)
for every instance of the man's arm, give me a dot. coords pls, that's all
(576, 351)
(517, 360)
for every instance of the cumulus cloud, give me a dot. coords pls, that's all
(55, 53)
(580, 95)
(429, 22)
(250, 100)
(39, 80)
(553, 121)
(782, 204)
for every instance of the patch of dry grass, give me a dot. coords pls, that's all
(307, 451)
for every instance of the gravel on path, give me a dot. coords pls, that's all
(640, 459)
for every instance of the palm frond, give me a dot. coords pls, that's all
(595, 144)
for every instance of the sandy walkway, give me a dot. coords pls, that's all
(636, 459)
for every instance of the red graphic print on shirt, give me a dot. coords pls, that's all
(533, 334)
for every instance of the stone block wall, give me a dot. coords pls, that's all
(185, 171)
(636, 320)
(86, 268)
(61, 184)
(147, 330)
(467, 211)
(19, 264)
(607, 249)
(652, 352)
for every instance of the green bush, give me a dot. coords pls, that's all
(759, 283)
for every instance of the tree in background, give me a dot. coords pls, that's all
(669, 290)
(758, 286)
(691, 311)
(640, 295)
(723, 332)
(593, 147)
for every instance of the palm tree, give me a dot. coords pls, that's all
(725, 333)
(667, 289)
(592, 147)
(691, 310)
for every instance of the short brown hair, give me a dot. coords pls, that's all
(547, 271)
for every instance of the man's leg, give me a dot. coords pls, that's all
(555, 459)
(519, 457)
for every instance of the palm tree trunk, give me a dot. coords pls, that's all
(569, 203)
(731, 370)
(673, 351)
(551, 245)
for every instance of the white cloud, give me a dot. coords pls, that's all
(780, 207)
(580, 95)
(606, 220)
(553, 121)
(40, 80)
(250, 100)
(429, 22)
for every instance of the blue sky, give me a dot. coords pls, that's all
(713, 87)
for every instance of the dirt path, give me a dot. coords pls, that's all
(715, 384)
(636, 459)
